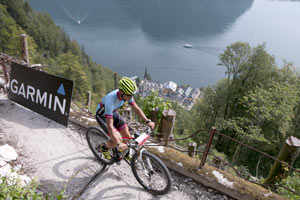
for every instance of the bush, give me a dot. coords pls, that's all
(29, 192)
(292, 182)
(14, 191)
(152, 101)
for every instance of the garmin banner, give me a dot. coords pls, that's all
(41, 92)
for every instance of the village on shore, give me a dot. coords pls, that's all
(185, 96)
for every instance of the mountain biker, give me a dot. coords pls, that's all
(107, 112)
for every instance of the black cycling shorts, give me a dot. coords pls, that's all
(119, 122)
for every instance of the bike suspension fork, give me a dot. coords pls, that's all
(149, 169)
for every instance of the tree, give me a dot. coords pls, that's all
(247, 68)
(9, 34)
(268, 114)
(68, 66)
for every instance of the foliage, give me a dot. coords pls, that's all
(291, 182)
(70, 68)
(185, 125)
(257, 104)
(271, 109)
(13, 191)
(154, 101)
(28, 192)
(10, 35)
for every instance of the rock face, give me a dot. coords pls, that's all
(8, 154)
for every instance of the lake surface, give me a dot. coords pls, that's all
(129, 35)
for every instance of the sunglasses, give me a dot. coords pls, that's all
(129, 95)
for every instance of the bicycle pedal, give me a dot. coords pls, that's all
(118, 161)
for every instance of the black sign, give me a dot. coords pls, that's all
(43, 93)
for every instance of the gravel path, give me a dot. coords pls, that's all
(59, 157)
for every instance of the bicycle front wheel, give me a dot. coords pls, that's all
(151, 173)
(96, 137)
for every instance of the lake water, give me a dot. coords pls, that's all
(129, 35)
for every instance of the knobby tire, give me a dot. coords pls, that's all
(95, 136)
(159, 166)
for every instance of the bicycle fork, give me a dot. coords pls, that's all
(149, 168)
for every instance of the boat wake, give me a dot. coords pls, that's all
(78, 19)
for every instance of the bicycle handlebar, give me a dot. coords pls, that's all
(148, 131)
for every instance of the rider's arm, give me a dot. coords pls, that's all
(141, 114)
(112, 131)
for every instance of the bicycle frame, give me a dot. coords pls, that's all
(139, 148)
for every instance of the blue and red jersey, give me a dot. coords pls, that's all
(112, 102)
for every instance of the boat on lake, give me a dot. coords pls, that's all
(186, 45)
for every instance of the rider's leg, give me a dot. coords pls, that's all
(125, 132)
(111, 144)
(119, 124)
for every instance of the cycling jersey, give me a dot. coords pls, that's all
(111, 102)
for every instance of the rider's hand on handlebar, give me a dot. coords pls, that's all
(151, 125)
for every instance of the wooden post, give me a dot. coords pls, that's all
(207, 148)
(191, 149)
(24, 49)
(89, 99)
(5, 73)
(288, 154)
(115, 78)
(166, 124)
(154, 115)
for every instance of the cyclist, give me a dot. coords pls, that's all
(107, 112)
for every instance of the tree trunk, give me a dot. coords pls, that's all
(236, 153)
(288, 154)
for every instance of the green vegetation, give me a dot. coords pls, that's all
(28, 192)
(257, 104)
(8, 191)
(153, 101)
(291, 182)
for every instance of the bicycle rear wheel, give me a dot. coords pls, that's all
(151, 173)
(95, 137)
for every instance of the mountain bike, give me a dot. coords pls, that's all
(148, 169)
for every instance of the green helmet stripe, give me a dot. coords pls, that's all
(127, 85)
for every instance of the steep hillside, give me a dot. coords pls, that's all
(50, 46)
